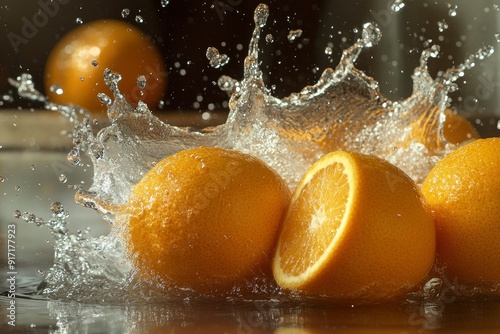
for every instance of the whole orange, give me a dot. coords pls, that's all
(75, 67)
(463, 191)
(457, 129)
(205, 219)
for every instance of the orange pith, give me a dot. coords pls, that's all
(356, 229)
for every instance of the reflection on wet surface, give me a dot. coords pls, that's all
(254, 317)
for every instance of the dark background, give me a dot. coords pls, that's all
(184, 29)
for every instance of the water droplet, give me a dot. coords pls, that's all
(57, 209)
(164, 3)
(206, 116)
(79, 235)
(141, 81)
(17, 188)
(294, 34)
(104, 99)
(328, 50)
(226, 84)
(28, 217)
(32, 167)
(497, 37)
(94, 63)
(442, 25)
(125, 12)
(397, 5)
(63, 178)
(370, 35)
(139, 19)
(17, 214)
(74, 157)
(216, 59)
(8, 98)
(2, 179)
(434, 51)
(79, 20)
(452, 10)
(40, 273)
(56, 89)
(269, 38)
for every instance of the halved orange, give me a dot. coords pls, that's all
(357, 229)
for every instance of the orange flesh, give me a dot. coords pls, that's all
(315, 216)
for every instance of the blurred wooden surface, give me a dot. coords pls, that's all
(46, 130)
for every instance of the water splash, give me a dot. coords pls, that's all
(84, 268)
(26, 88)
(343, 110)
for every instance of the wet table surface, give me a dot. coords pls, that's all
(30, 165)
(37, 316)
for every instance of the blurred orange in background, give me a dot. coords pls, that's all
(75, 67)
